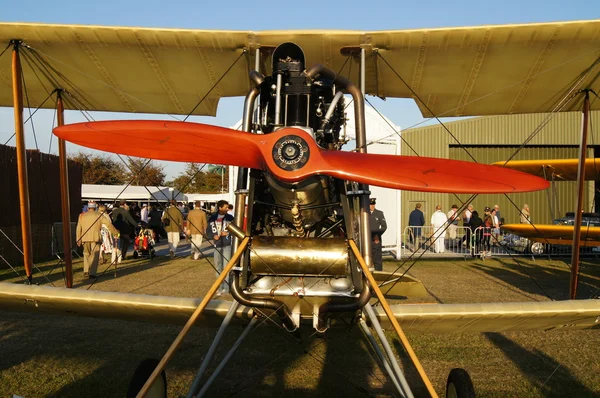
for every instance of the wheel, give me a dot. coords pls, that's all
(459, 384)
(537, 248)
(141, 374)
(135, 254)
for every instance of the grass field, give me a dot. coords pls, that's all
(42, 355)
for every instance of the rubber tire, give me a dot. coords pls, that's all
(141, 374)
(135, 255)
(459, 384)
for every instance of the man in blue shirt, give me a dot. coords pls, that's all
(217, 230)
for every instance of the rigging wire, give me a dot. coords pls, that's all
(418, 98)
(216, 84)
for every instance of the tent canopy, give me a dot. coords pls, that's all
(131, 192)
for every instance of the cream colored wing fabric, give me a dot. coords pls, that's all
(496, 317)
(455, 71)
(127, 306)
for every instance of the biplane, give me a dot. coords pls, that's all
(304, 256)
(555, 170)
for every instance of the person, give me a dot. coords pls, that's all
(89, 236)
(416, 220)
(108, 240)
(453, 219)
(378, 228)
(466, 239)
(217, 229)
(525, 215)
(438, 223)
(475, 223)
(488, 224)
(135, 212)
(155, 223)
(144, 213)
(122, 221)
(230, 210)
(173, 220)
(495, 225)
(196, 225)
(498, 214)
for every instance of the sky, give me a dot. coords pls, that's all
(265, 15)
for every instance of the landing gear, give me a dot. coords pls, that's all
(459, 384)
(141, 374)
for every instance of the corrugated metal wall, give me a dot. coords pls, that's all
(496, 138)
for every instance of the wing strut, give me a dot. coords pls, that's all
(213, 289)
(392, 318)
(580, 184)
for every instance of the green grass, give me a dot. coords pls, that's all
(42, 355)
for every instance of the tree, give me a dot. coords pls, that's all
(140, 173)
(99, 169)
(196, 179)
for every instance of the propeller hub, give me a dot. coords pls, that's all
(291, 152)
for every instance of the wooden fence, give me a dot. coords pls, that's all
(44, 201)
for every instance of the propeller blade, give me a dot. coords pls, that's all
(425, 174)
(292, 155)
(165, 140)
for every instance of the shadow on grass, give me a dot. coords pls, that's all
(95, 358)
(540, 280)
(548, 375)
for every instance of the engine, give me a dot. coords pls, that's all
(288, 98)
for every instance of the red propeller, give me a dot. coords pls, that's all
(291, 155)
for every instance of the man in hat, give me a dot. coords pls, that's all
(89, 227)
(378, 227)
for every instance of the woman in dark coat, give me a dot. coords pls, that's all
(475, 223)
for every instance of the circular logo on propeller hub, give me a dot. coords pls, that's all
(291, 152)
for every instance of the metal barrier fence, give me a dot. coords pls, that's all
(57, 239)
(460, 241)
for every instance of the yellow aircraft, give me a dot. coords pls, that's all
(305, 252)
(555, 170)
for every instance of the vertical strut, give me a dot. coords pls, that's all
(580, 185)
(21, 160)
(64, 193)
(393, 320)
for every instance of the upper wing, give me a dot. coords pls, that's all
(543, 232)
(555, 169)
(456, 71)
(491, 317)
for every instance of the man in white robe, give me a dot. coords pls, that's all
(438, 221)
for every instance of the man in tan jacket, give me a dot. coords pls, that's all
(196, 226)
(89, 236)
(173, 220)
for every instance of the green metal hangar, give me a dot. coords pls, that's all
(497, 138)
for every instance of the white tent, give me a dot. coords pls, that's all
(130, 193)
(384, 138)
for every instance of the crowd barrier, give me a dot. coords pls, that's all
(57, 239)
(459, 241)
